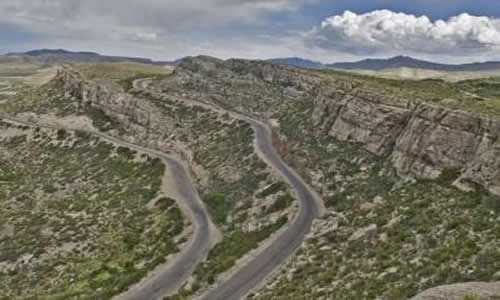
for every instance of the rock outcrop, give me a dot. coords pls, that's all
(141, 119)
(421, 139)
(460, 291)
(121, 105)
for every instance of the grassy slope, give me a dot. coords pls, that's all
(420, 74)
(474, 95)
(221, 146)
(224, 148)
(77, 208)
(427, 233)
(17, 75)
(116, 76)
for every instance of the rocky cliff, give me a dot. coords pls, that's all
(124, 106)
(420, 138)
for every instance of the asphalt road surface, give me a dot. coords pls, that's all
(170, 279)
(250, 275)
(260, 267)
(254, 272)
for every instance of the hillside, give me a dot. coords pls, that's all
(408, 62)
(298, 62)
(60, 56)
(17, 74)
(80, 217)
(408, 170)
(405, 178)
(246, 199)
(402, 67)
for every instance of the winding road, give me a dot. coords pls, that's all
(183, 265)
(263, 264)
(260, 267)
(168, 278)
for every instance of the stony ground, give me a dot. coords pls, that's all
(384, 237)
(17, 74)
(79, 218)
(246, 199)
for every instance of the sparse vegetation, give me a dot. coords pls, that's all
(476, 95)
(89, 233)
(218, 206)
(442, 234)
(100, 119)
(383, 238)
(224, 147)
(219, 144)
(119, 76)
(225, 254)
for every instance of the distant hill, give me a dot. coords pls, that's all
(55, 56)
(408, 62)
(298, 62)
(389, 63)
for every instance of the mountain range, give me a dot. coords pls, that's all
(54, 56)
(390, 63)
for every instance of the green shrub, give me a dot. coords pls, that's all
(272, 189)
(61, 134)
(281, 203)
(218, 206)
(164, 203)
(101, 120)
(448, 176)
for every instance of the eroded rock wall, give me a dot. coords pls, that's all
(421, 139)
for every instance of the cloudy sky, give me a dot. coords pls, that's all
(325, 30)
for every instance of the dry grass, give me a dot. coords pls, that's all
(420, 74)
(17, 74)
(475, 95)
(111, 74)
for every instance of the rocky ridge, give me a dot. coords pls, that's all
(421, 139)
(245, 197)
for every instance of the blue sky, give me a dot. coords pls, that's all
(440, 30)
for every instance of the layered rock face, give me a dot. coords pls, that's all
(421, 139)
(91, 93)
(139, 117)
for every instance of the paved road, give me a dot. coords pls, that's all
(178, 270)
(255, 272)
(249, 276)
(169, 278)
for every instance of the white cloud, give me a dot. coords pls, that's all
(164, 15)
(167, 29)
(383, 31)
(177, 27)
